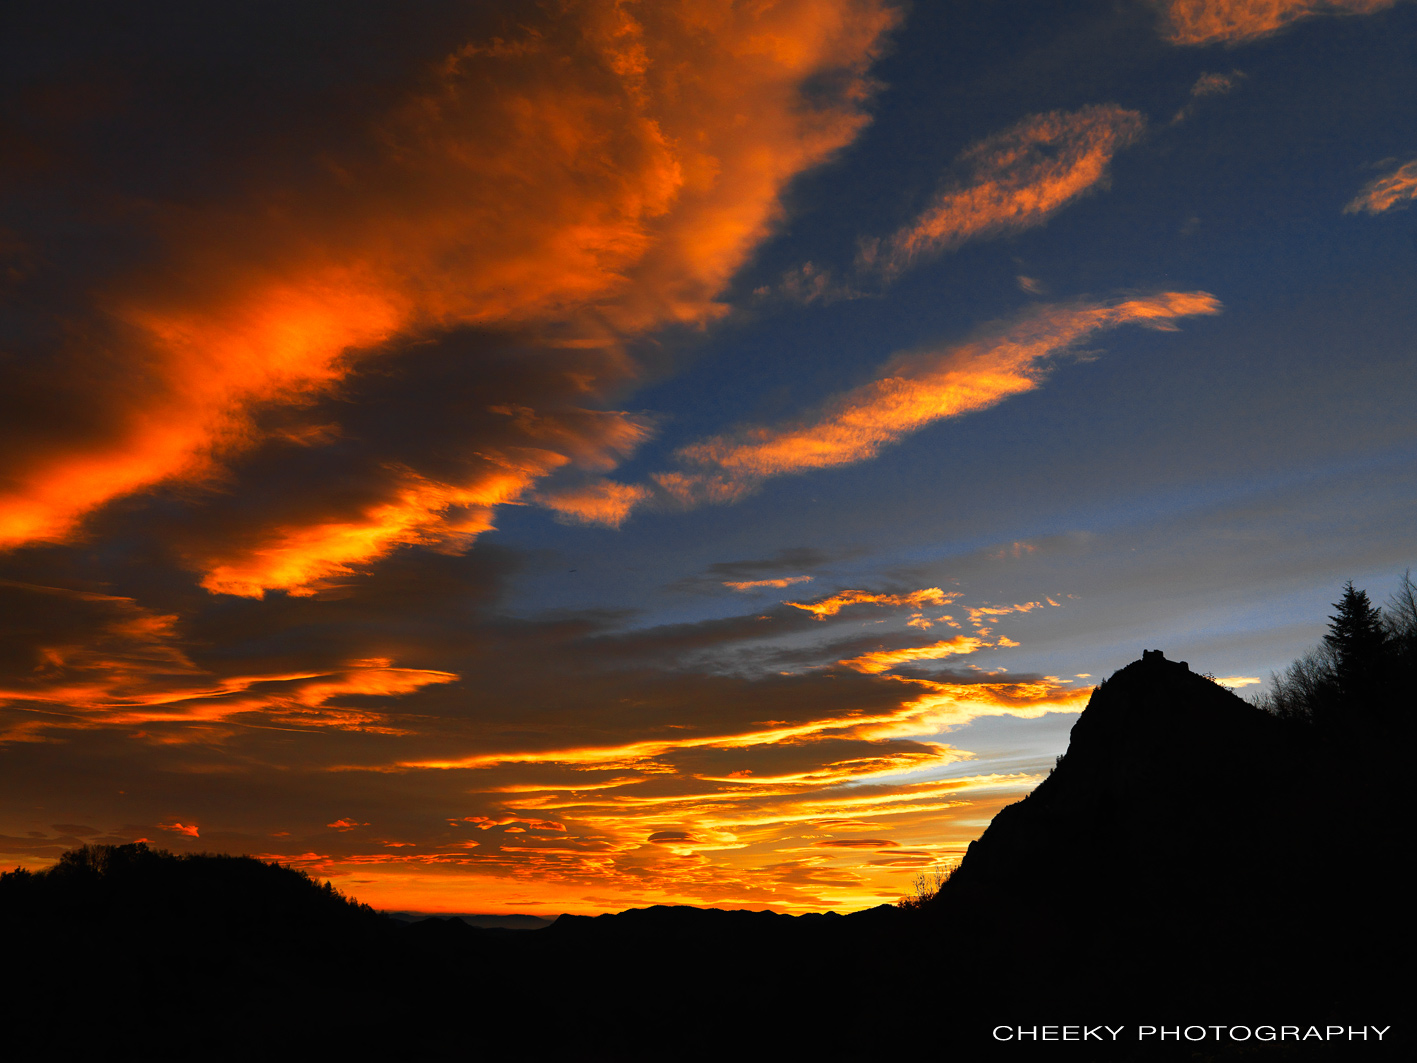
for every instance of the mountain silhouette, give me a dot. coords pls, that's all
(1191, 854)
(1191, 859)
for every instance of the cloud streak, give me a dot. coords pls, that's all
(1197, 22)
(913, 391)
(761, 584)
(1014, 180)
(834, 604)
(885, 660)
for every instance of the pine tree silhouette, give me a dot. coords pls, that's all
(1358, 640)
(1362, 675)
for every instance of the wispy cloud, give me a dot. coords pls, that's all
(1212, 84)
(1013, 180)
(603, 502)
(806, 284)
(1238, 21)
(761, 584)
(912, 391)
(837, 602)
(1394, 188)
(1207, 85)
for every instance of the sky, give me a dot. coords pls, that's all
(571, 456)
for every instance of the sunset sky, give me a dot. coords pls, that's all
(572, 456)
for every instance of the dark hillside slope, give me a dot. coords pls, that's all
(1190, 850)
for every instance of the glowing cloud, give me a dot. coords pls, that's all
(1237, 21)
(302, 559)
(979, 616)
(135, 673)
(914, 390)
(837, 602)
(605, 502)
(885, 660)
(647, 819)
(1016, 179)
(756, 584)
(597, 175)
(1385, 192)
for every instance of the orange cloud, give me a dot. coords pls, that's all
(754, 584)
(605, 502)
(914, 390)
(136, 673)
(1385, 192)
(179, 828)
(1237, 21)
(595, 175)
(884, 660)
(302, 559)
(945, 704)
(935, 706)
(837, 602)
(1016, 179)
(978, 615)
(779, 815)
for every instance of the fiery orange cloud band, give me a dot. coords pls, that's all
(688, 808)
(837, 602)
(135, 674)
(1237, 21)
(940, 705)
(600, 175)
(885, 660)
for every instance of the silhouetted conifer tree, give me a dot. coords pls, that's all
(1359, 642)
(1363, 674)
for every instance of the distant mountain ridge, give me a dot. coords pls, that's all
(514, 921)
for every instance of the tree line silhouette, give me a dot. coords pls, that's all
(1362, 676)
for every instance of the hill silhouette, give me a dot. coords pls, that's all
(1191, 859)
(1195, 850)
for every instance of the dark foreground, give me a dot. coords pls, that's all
(1192, 862)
